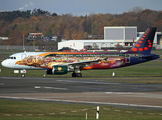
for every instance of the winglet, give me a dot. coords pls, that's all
(145, 42)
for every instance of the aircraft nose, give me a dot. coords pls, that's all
(6, 63)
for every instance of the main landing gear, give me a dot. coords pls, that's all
(76, 74)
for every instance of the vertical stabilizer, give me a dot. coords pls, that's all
(145, 42)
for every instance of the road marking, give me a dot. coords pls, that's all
(123, 93)
(37, 87)
(151, 113)
(139, 113)
(128, 111)
(29, 114)
(117, 110)
(106, 108)
(84, 109)
(62, 112)
(44, 87)
(7, 114)
(40, 114)
(51, 113)
(74, 111)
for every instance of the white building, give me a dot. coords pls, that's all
(86, 44)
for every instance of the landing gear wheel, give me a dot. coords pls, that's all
(23, 75)
(79, 75)
(74, 74)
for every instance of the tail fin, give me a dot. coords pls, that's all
(145, 42)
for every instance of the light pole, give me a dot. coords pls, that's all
(23, 42)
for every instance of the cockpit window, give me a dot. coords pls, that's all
(11, 57)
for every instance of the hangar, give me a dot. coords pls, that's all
(122, 34)
(87, 44)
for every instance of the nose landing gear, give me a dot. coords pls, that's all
(23, 75)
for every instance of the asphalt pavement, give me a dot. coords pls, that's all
(82, 91)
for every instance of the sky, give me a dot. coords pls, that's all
(80, 7)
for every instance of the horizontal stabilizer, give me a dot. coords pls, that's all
(148, 56)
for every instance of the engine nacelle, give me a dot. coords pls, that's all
(57, 70)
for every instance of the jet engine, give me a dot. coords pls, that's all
(57, 70)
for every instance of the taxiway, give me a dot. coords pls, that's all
(82, 91)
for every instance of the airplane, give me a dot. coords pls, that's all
(59, 63)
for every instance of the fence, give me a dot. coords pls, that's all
(159, 47)
(15, 47)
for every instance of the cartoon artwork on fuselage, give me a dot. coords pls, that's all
(48, 61)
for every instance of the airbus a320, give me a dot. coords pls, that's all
(58, 63)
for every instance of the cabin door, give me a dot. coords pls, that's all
(23, 56)
(127, 58)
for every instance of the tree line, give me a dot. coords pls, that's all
(11, 15)
(15, 24)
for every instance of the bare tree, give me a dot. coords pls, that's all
(136, 9)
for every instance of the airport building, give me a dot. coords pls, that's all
(87, 44)
(124, 36)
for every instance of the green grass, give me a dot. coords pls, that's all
(15, 108)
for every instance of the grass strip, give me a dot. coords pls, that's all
(38, 110)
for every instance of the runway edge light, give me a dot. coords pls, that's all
(113, 74)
